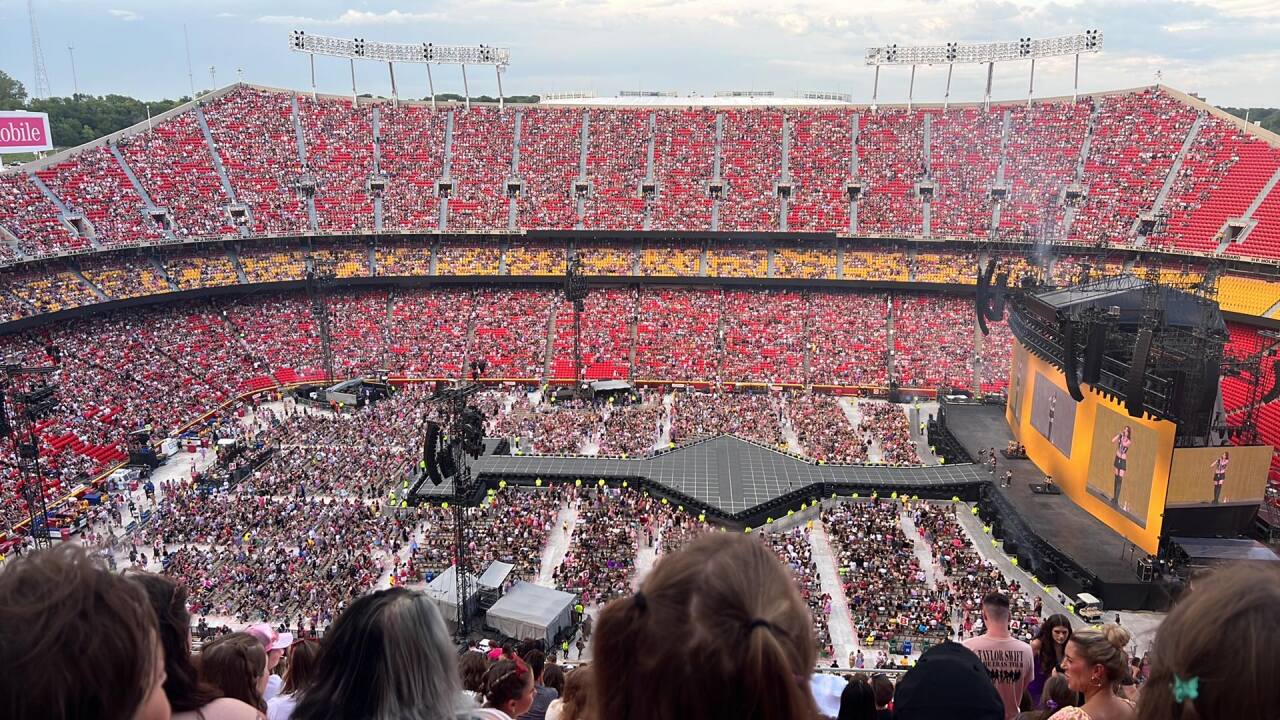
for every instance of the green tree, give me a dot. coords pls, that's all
(12, 94)
(79, 119)
(1267, 118)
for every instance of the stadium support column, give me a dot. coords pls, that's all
(443, 220)
(466, 89)
(391, 70)
(582, 188)
(513, 199)
(855, 121)
(431, 87)
(355, 98)
(1031, 85)
(875, 89)
(377, 165)
(497, 69)
(1075, 82)
(946, 96)
(312, 56)
(986, 99)
(1005, 125)
(911, 88)
(649, 178)
(784, 188)
(715, 173)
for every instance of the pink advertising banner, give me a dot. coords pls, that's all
(22, 132)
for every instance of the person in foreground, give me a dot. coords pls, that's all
(1009, 661)
(717, 630)
(191, 697)
(77, 641)
(508, 690)
(1216, 655)
(1095, 664)
(386, 657)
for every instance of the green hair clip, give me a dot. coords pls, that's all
(1184, 690)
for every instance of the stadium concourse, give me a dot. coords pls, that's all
(774, 274)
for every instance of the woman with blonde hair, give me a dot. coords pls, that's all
(575, 703)
(1095, 663)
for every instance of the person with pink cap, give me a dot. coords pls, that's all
(275, 643)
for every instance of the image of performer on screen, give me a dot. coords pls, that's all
(1219, 467)
(1122, 441)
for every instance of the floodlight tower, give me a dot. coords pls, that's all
(419, 53)
(987, 54)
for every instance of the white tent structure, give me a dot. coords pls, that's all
(531, 611)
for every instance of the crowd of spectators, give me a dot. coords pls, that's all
(339, 143)
(411, 160)
(757, 418)
(764, 336)
(255, 137)
(668, 259)
(479, 168)
(890, 598)
(932, 341)
(848, 339)
(617, 160)
(887, 425)
(254, 133)
(795, 550)
(744, 261)
(173, 163)
(94, 184)
(683, 155)
(750, 164)
(823, 431)
(821, 168)
(601, 560)
(259, 558)
(964, 153)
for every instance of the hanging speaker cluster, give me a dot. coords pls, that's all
(1135, 386)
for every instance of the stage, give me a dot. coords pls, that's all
(726, 477)
(1054, 520)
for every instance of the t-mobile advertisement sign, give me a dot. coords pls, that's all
(24, 132)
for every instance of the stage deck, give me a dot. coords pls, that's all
(1054, 518)
(726, 475)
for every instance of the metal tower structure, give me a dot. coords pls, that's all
(40, 88)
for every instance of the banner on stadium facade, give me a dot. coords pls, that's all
(22, 132)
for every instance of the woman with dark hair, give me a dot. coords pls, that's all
(236, 664)
(1057, 694)
(387, 657)
(857, 702)
(744, 650)
(302, 656)
(553, 677)
(190, 698)
(1049, 648)
(472, 666)
(77, 641)
(1122, 440)
(508, 690)
(1219, 468)
(574, 702)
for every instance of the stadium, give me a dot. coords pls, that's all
(287, 350)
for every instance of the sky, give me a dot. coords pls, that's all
(1223, 50)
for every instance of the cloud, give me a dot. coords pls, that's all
(355, 17)
(226, 15)
(125, 15)
(1190, 26)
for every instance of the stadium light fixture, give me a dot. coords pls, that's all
(419, 53)
(989, 54)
